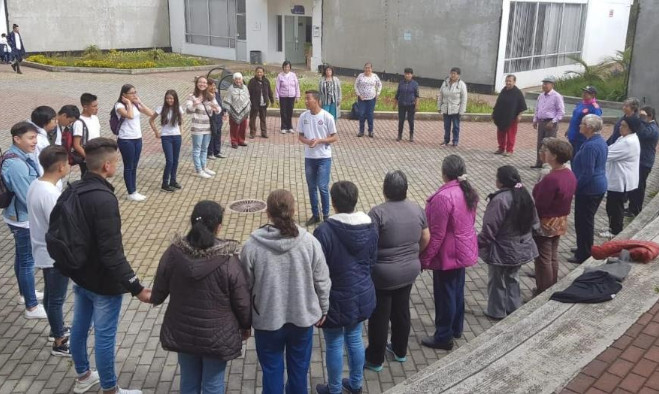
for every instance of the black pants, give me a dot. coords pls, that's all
(585, 208)
(286, 112)
(403, 111)
(261, 112)
(615, 208)
(637, 196)
(215, 145)
(394, 306)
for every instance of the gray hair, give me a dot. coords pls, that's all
(237, 76)
(594, 122)
(395, 186)
(633, 103)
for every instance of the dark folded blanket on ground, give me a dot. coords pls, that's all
(589, 288)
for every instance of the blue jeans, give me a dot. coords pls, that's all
(200, 144)
(270, 347)
(448, 121)
(53, 299)
(103, 310)
(366, 109)
(317, 172)
(171, 146)
(334, 339)
(24, 265)
(449, 289)
(331, 108)
(130, 154)
(201, 374)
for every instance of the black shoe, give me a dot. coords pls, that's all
(431, 343)
(220, 156)
(325, 218)
(457, 336)
(176, 185)
(13, 66)
(574, 250)
(370, 135)
(398, 138)
(360, 134)
(167, 188)
(264, 136)
(242, 144)
(411, 139)
(313, 220)
(574, 260)
(62, 350)
(536, 166)
(346, 386)
(251, 136)
(493, 317)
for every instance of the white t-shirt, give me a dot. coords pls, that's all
(316, 127)
(130, 128)
(93, 127)
(41, 199)
(18, 41)
(168, 129)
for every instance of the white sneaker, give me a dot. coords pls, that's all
(284, 131)
(36, 313)
(209, 171)
(140, 195)
(126, 391)
(211, 157)
(605, 234)
(291, 131)
(82, 386)
(21, 300)
(135, 197)
(203, 174)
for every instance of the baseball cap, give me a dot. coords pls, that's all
(590, 89)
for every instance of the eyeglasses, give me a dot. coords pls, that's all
(133, 92)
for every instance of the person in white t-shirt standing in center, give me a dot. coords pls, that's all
(317, 131)
(86, 128)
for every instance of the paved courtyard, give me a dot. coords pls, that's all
(252, 172)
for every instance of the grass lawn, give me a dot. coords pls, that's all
(93, 57)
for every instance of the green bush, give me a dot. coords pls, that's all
(92, 56)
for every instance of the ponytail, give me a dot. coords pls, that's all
(522, 210)
(281, 208)
(471, 196)
(205, 219)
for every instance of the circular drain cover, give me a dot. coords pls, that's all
(247, 206)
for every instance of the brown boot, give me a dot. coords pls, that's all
(264, 134)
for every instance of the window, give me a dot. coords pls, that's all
(543, 35)
(215, 22)
(280, 33)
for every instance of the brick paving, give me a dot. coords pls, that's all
(252, 172)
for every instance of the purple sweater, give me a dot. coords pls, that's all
(553, 194)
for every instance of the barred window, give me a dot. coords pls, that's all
(215, 22)
(543, 35)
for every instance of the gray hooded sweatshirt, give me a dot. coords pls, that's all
(289, 278)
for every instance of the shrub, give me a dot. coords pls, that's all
(94, 57)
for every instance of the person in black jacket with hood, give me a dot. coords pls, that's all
(105, 277)
(506, 116)
(349, 240)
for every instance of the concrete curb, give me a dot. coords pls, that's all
(544, 344)
(575, 100)
(98, 70)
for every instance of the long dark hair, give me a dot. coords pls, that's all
(281, 208)
(205, 94)
(523, 209)
(205, 219)
(176, 117)
(124, 89)
(453, 167)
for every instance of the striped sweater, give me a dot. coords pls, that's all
(200, 121)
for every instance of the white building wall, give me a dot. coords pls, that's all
(71, 25)
(3, 17)
(604, 35)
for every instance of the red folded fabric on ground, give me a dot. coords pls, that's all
(640, 251)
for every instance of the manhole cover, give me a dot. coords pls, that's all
(247, 206)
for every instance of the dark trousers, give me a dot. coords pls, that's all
(296, 342)
(451, 120)
(53, 299)
(637, 196)
(546, 264)
(286, 112)
(406, 111)
(546, 129)
(448, 288)
(130, 149)
(392, 306)
(259, 111)
(585, 208)
(366, 109)
(615, 208)
(171, 146)
(215, 146)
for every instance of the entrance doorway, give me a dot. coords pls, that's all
(297, 33)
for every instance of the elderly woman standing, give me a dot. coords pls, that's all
(329, 87)
(367, 89)
(451, 214)
(630, 108)
(648, 137)
(202, 105)
(553, 199)
(237, 104)
(452, 103)
(506, 115)
(589, 166)
(403, 233)
(622, 165)
(506, 242)
(287, 92)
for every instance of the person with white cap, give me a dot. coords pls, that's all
(548, 112)
(237, 104)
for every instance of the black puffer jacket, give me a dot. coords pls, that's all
(209, 299)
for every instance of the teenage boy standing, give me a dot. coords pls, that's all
(87, 127)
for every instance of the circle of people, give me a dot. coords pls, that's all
(284, 280)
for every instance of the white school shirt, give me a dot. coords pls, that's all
(317, 127)
(41, 199)
(168, 129)
(93, 127)
(18, 41)
(131, 129)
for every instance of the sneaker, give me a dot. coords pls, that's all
(313, 220)
(507, 154)
(127, 391)
(242, 144)
(135, 197)
(372, 367)
(322, 389)
(284, 131)
(391, 350)
(211, 157)
(431, 343)
(36, 313)
(175, 185)
(346, 386)
(499, 152)
(62, 350)
(360, 135)
(67, 333)
(605, 234)
(291, 131)
(444, 144)
(209, 171)
(167, 188)
(82, 386)
(221, 156)
(202, 174)
(21, 300)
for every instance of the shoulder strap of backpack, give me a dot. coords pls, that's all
(85, 133)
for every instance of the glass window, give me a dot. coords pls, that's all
(280, 33)
(213, 22)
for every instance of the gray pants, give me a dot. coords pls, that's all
(546, 129)
(503, 292)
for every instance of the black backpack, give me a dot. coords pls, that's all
(68, 238)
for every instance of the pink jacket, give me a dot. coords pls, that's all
(453, 240)
(287, 85)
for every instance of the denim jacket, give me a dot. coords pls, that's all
(18, 173)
